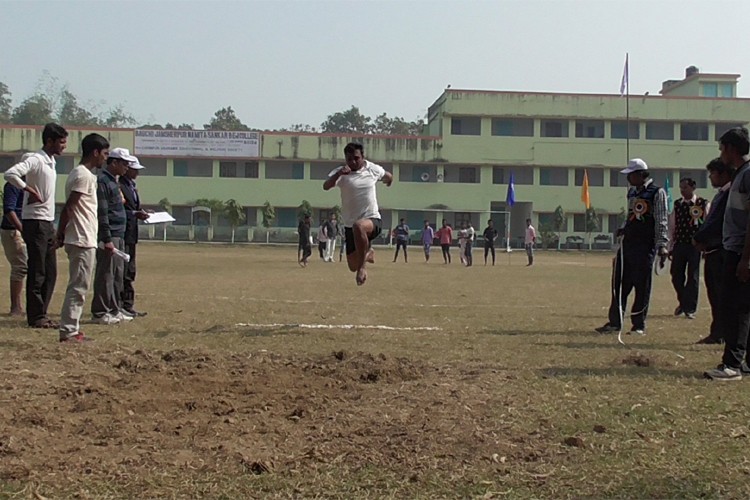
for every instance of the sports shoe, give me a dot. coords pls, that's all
(723, 373)
(123, 317)
(78, 338)
(744, 368)
(107, 319)
(607, 328)
(637, 331)
(690, 315)
(678, 311)
(133, 313)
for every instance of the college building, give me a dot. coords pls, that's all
(474, 141)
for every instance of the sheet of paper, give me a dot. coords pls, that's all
(157, 217)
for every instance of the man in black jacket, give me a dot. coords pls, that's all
(134, 213)
(708, 239)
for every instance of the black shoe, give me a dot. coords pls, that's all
(710, 340)
(607, 328)
(744, 368)
(678, 311)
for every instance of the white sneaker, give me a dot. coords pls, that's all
(123, 317)
(107, 319)
(723, 373)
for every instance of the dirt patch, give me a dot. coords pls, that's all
(638, 360)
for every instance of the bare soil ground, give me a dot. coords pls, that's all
(510, 395)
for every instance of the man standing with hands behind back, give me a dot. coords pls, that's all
(134, 213)
(38, 217)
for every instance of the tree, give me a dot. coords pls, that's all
(593, 220)
(558, 223)
(349, 121)
(35, 110)
(225, 119)
(300, 127)
(396, 126)
(71, 113)
(117, 117)
(235, 214)
(6, 110)
(269, 215)
(304, 209)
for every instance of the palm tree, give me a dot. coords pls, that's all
(235, 213)
(269, 215)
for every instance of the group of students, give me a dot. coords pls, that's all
(718, 231)
(98, 228)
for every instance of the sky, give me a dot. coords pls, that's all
(279, 63)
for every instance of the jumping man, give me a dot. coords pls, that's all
(359, 206)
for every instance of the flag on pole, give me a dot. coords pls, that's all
(669, 195)
(625, 82)
(510, 198)
(585, 197)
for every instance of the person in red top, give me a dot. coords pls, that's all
(445, 235)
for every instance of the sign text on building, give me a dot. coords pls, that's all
(215, 143)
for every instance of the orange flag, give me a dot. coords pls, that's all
(585, 197)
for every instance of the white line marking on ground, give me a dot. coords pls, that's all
(344, 327)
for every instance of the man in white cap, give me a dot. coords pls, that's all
(134, 213)
(644, 235)
(106, 307)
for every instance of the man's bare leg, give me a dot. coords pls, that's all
(362, 253)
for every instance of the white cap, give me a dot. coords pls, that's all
(634, 165)
(122, 154)
(136, 165)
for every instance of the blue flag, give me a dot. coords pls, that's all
(669, 195)
(510, 198)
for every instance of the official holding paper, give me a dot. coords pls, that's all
(134, 213)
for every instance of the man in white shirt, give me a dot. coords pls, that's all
(529, 241)
(470, 237)
(77, 231)
(38, 217)
(359, 206)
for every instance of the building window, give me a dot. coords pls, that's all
(699, 176)
(552, 176)
(228, 169)
(547, 221)
(321, 170)
(593, 129)
(6, 162)
(64, 164)
(616, 179)
(154, 166)
(286, 217)
(721, 128)
(193, 168)
(513, 127)
(498, 175)
(251, 170)
(285, 170)
(660, 131)
(182, 215)
(726, 90)
(694, 131)
(710, 90)
(417, 173)
(620, 130)
(596, 176)
(466, 126)
(554, 128)
(251, 216)
(613, 222)
(579, 223)
(660, 179)
(461, 175)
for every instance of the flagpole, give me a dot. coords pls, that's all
(627, 107)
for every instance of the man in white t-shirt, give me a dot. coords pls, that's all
(38, 216)
(529, 242)
(77, 231)
(359, 205)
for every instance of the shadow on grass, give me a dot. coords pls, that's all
(616, 345)
(511, 333)
(620, 371)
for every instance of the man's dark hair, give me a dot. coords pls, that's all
(737, 138)
(350, 148)
(53, 131)
(93, 142)
(401, 219)
(716, 165)
(689, 180)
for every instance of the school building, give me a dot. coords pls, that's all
(459, 169)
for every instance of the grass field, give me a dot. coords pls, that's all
(510, 395)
